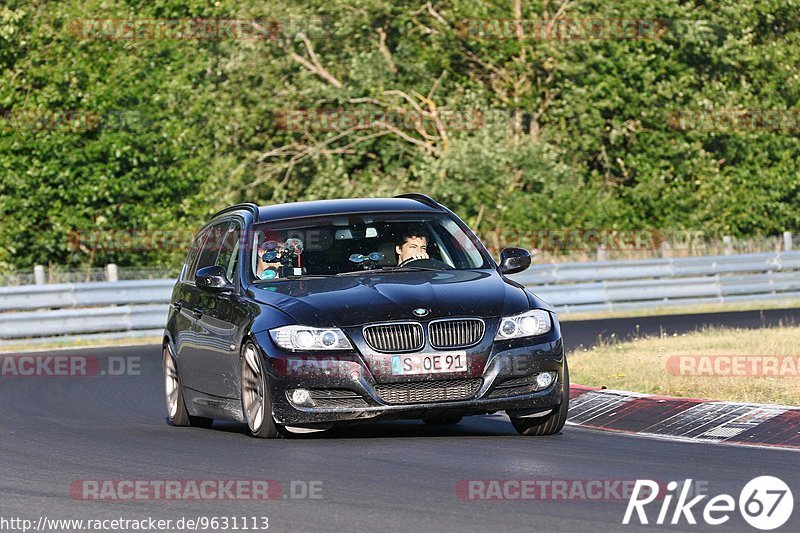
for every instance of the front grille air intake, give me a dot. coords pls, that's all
(456, 333)
(395, 337)
(428, 391)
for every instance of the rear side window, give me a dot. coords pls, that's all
(212, 246)
(188, 267)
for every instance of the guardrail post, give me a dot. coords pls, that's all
(787, 241)
(111, 272)
(666, 249)
(38, 274)
(602, 254)
(728, 243)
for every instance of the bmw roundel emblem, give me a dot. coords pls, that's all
(421, 312)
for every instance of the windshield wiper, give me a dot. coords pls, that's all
(407, 269)
(311, 276)
(303, 276)
(360, 272)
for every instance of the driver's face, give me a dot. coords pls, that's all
(413, 248)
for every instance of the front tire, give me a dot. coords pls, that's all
(554, 422)
(177, 414)
(256, 403)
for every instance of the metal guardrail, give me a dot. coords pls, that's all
(92, 294)
(140, 307)
(611, 285)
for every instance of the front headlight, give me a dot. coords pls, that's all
(302, 338)
(530, 324)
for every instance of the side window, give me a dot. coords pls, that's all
(188, 270)
(211, 246)
(229, 251)
(437, 248)
(463, 251)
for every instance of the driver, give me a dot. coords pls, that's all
(411, 245)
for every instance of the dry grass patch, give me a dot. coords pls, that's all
(728, 307)
(22, 346)
(651, 365)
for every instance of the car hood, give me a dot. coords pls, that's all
(376, 297)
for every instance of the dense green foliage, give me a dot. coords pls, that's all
(570, 133)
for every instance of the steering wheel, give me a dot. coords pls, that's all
(426, 263)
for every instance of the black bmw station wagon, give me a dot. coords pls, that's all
(311, 314)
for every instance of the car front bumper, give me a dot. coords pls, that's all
(349, 375)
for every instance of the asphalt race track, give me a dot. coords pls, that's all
(586, 332)
(390, 476)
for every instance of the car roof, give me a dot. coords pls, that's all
(314, 208)
(335, 207)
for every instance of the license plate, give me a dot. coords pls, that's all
(438, 363)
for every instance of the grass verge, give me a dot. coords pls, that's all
(699, 365)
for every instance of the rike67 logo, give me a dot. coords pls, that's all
(765, 503)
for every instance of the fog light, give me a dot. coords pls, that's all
(302, 397)
(544, 380)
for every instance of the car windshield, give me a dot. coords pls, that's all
(348, 244)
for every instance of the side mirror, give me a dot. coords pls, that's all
(513, 260)
(212, 278)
